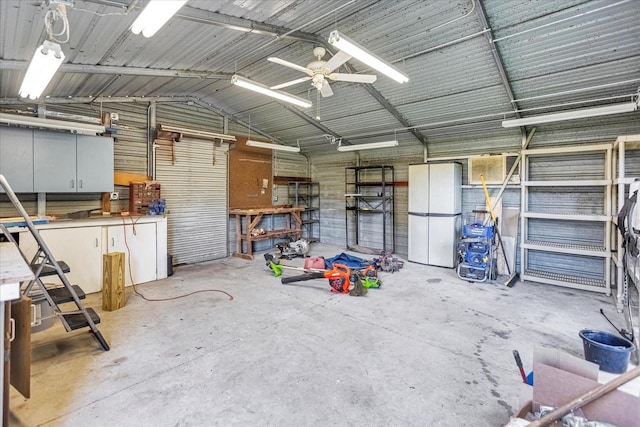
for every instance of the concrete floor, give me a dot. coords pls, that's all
(426, 349)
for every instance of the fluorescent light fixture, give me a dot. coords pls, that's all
(278, 147)
(75, 127)
(196, 133)
(155, 15)
(573, 114)
(383, 144)
(265, 90)
(45, 62)
(353, 49)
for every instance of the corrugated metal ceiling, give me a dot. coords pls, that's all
(579, 53)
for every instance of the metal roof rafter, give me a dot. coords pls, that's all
(497, 58)
(384, 102)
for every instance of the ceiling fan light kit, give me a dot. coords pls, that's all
(319, 72)
(572, 115)
(277, 147)
(265, 90)
(155, 15)
(45, 62)
(360, 53)
(382, 144)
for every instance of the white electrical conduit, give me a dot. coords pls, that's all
(572, 91)
(561, 20)
(473, 7)
(474, 118)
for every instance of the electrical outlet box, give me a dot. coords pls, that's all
(114, 117)
(114, 195)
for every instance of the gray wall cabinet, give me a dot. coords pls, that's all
(16, 159)
(65, 163)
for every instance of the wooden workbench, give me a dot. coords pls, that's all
(246, 230)
(13, 270)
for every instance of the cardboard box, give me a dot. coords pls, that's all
(560, 378)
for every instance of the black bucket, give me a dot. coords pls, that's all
(609, 351)
(169, 265)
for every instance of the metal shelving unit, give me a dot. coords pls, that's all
(566, 258)
(369, 207)
(307, 194)
(621, 182)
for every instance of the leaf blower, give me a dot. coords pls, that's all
(339, 278)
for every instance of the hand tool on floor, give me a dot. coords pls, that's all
(512, 275)
(516, 356)
(277, 268)
(339, 278)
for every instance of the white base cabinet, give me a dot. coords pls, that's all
(82, 243)
(80, 248)
(137, 242)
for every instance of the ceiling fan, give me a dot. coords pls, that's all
(319, 72)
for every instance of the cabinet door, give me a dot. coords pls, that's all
(54, 162)
(80, 248)
(16, 158)
(139, 246)
(94, 162)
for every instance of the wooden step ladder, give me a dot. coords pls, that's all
(44, 264)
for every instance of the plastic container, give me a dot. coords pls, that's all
(169, 265)
(610, 352)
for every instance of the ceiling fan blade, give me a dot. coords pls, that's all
(291, 83)
(326, 89)
(290, 65)
(337, 60)
(358, 78)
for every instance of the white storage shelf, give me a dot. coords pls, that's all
(581, 252)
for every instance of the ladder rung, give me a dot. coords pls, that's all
(62, 295)
(77, 320)
(49, 270)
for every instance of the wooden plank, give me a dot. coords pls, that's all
(113, 281)
(106, 202)
(21, 346)
(125, 178)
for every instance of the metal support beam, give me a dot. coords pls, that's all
(315, 123)
(6, 64)
(395, 113)
(242, 24)
(90, 99)
(140, 99)
(497, 59)
(384, 102)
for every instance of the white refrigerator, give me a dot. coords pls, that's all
(435, 205)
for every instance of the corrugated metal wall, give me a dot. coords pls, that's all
(195, 189)
(195, 185)
(329, 170)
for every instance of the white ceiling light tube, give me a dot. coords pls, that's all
(382, 144)
(155, 15)
(265, 90)
(45, 62)
(350, 47)
(75, 127)
(571, 115)
(270, 146)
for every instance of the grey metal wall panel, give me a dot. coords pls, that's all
(195, 189)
